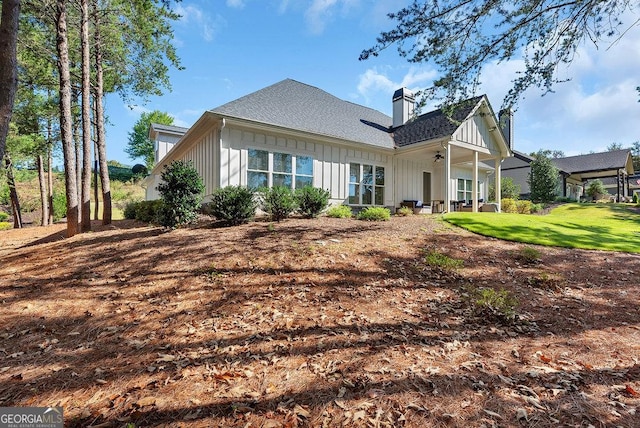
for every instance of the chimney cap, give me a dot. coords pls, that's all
(403, 93)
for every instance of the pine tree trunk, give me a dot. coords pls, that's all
(100, 137)
(13, 194)
(42, 181)
(86, 120)
(8, 66)
(66, 136)
(50, 184)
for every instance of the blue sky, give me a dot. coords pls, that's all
(234, 47)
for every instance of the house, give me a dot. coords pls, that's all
(294, 134)
(613, 168)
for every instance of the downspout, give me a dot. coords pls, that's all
(223, 123)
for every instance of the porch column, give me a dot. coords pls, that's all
(447, 179)
(474, 184)
(498, 176)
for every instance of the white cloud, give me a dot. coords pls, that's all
(318, 14)
(238, 4)
(208, 25)
(373, 82)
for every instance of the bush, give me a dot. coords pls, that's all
(145, 211)
(374, 214)
(4, 225)
(129, 210)
(181, 192)
(537, 208)
(3, 216)
(523, 207)
(279, 202)
(529, 255)
(404, 211)
(340, 211)
(509, 205)
(232, 205)
(59, 205)
(311, 201)
(508, 189)
(635, 198)
(596, 190)
(543, 178)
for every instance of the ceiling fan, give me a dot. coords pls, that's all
(438, 157)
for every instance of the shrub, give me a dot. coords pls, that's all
(404, 211)
(181, 192)
(523, 207)
(4, 225)
(635, 198)
(508, 189)
(543, 178)
(374, 214)
(340, 211)
(279, 202)
(509, 205)
(232, 205)
(537, 208)
(441, 261)
(311, 201)
(499, 304)
(59, 205)
(130, 209)
(596, 190)
(3, 216)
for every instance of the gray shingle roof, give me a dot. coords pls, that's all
(169, 128)
(433, 125)
(593, 162)
(294, 105)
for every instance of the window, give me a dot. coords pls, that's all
(366, 184)
(465, 190)
(267, 169)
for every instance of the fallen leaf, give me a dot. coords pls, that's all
(631, 391)
(301, 411)
(492, 414)
(544, 358)
(146, 401)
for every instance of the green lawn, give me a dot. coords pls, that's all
(613, 227)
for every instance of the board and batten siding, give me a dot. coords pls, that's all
(330, 162)
(409, 183)
(476, 132)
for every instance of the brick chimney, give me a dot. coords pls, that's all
(404, 104)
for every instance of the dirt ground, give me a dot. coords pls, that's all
(322, 323)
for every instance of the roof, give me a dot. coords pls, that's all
(295, 105)
(169, 128)
(434, 125)
(517, 161)
(604, 161)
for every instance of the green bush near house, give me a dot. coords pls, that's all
(233, 205)
(523, 207)
(340, 211)
(145, 211)
(311, 201)
(278, 201)
(374, 214)
(3, 216)
(181, 192)
(635, 198)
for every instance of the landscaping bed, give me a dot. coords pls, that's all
(322, 322)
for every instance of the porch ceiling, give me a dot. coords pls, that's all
(459, 155)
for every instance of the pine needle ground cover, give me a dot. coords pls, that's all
(612, 227)
(316, 323)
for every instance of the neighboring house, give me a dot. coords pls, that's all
(293, 134)
(613, 168)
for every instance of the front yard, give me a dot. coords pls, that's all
(319, 323)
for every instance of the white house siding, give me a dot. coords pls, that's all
(330, 161)
(476, 132)
(163, 144)
(408, 180)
